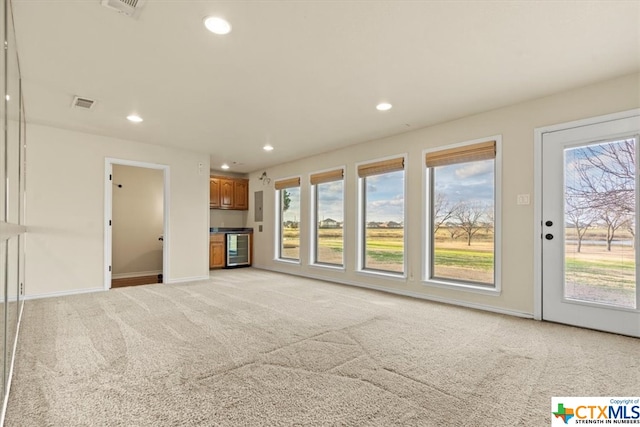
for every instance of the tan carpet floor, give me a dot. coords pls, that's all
(255, 348)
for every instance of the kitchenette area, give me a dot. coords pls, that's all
(230, 242)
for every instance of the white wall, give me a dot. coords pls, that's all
(65, 209)
(138, 221)
(516, 124)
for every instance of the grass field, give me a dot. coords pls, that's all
(594, 274)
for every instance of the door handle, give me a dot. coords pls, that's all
(548, 236)
(548, 223)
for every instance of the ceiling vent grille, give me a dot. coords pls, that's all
(125, 7)
(84, 103)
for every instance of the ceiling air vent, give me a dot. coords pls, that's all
(84, 103)
(125, 7)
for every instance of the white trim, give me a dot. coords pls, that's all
(186, 279)
(64, 293)
(290, 261)
(360, 256)
(13, 361)
(496, 288)
(326, 266)
(411, 294)
(108, 206)
(136, 274)
(313, 213)
(278, 225)
(537, 193)
(401, 277)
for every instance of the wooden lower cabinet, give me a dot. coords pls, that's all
(216, 251)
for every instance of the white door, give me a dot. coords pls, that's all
(589, 217)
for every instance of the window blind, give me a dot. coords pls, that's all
(287, 183)
(468, 153)
(384, 166)
(319, 178)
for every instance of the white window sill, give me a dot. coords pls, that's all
(467, 287)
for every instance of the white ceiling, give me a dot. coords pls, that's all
(305, 76)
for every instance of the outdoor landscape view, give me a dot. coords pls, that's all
(600, 221)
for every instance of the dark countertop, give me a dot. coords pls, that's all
(214, 230)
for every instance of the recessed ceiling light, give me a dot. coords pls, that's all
(384, 106)
(217, 25)
(225, 166)
(268, 147)
(134, 118)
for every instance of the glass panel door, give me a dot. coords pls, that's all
(589, 215)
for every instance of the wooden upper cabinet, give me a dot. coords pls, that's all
(214, 193)
(228, 193)
(241, 194)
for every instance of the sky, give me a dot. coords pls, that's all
(385, 197)
(472, 181)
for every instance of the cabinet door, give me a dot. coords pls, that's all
(214, 193)
(226, 194)
(216, 251)
(241, 199)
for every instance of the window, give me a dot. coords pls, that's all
(288, 192)
(328, 236)
(382, 215)
(461, 183)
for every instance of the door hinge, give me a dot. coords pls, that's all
(110, 177)
(21, 288)
(109, 268)
(109, 222)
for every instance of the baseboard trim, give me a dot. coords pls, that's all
(411, 294)
(64, 293)
(136, 274)
(186, 279)
(13, 360)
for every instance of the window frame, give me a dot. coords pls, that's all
(427, 221)
(313, 255)
(278, 219)
(361, 222)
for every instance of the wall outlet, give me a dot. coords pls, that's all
(260, 228)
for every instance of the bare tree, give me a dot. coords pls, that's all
(614, 219)
(469, 218)
(454, 231)
(580, 215)
(604, 182)
(442, 211)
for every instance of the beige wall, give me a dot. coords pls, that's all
(138, 221)
(516, 124)
(65, 209)
(228, 218)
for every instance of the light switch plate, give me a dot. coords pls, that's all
(523, 199)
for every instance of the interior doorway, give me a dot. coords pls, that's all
(136, 212)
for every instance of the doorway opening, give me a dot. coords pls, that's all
(136, 223)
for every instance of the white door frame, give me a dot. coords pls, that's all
(108, 209)
(537, 194)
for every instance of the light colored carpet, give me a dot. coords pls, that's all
(254, 348)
